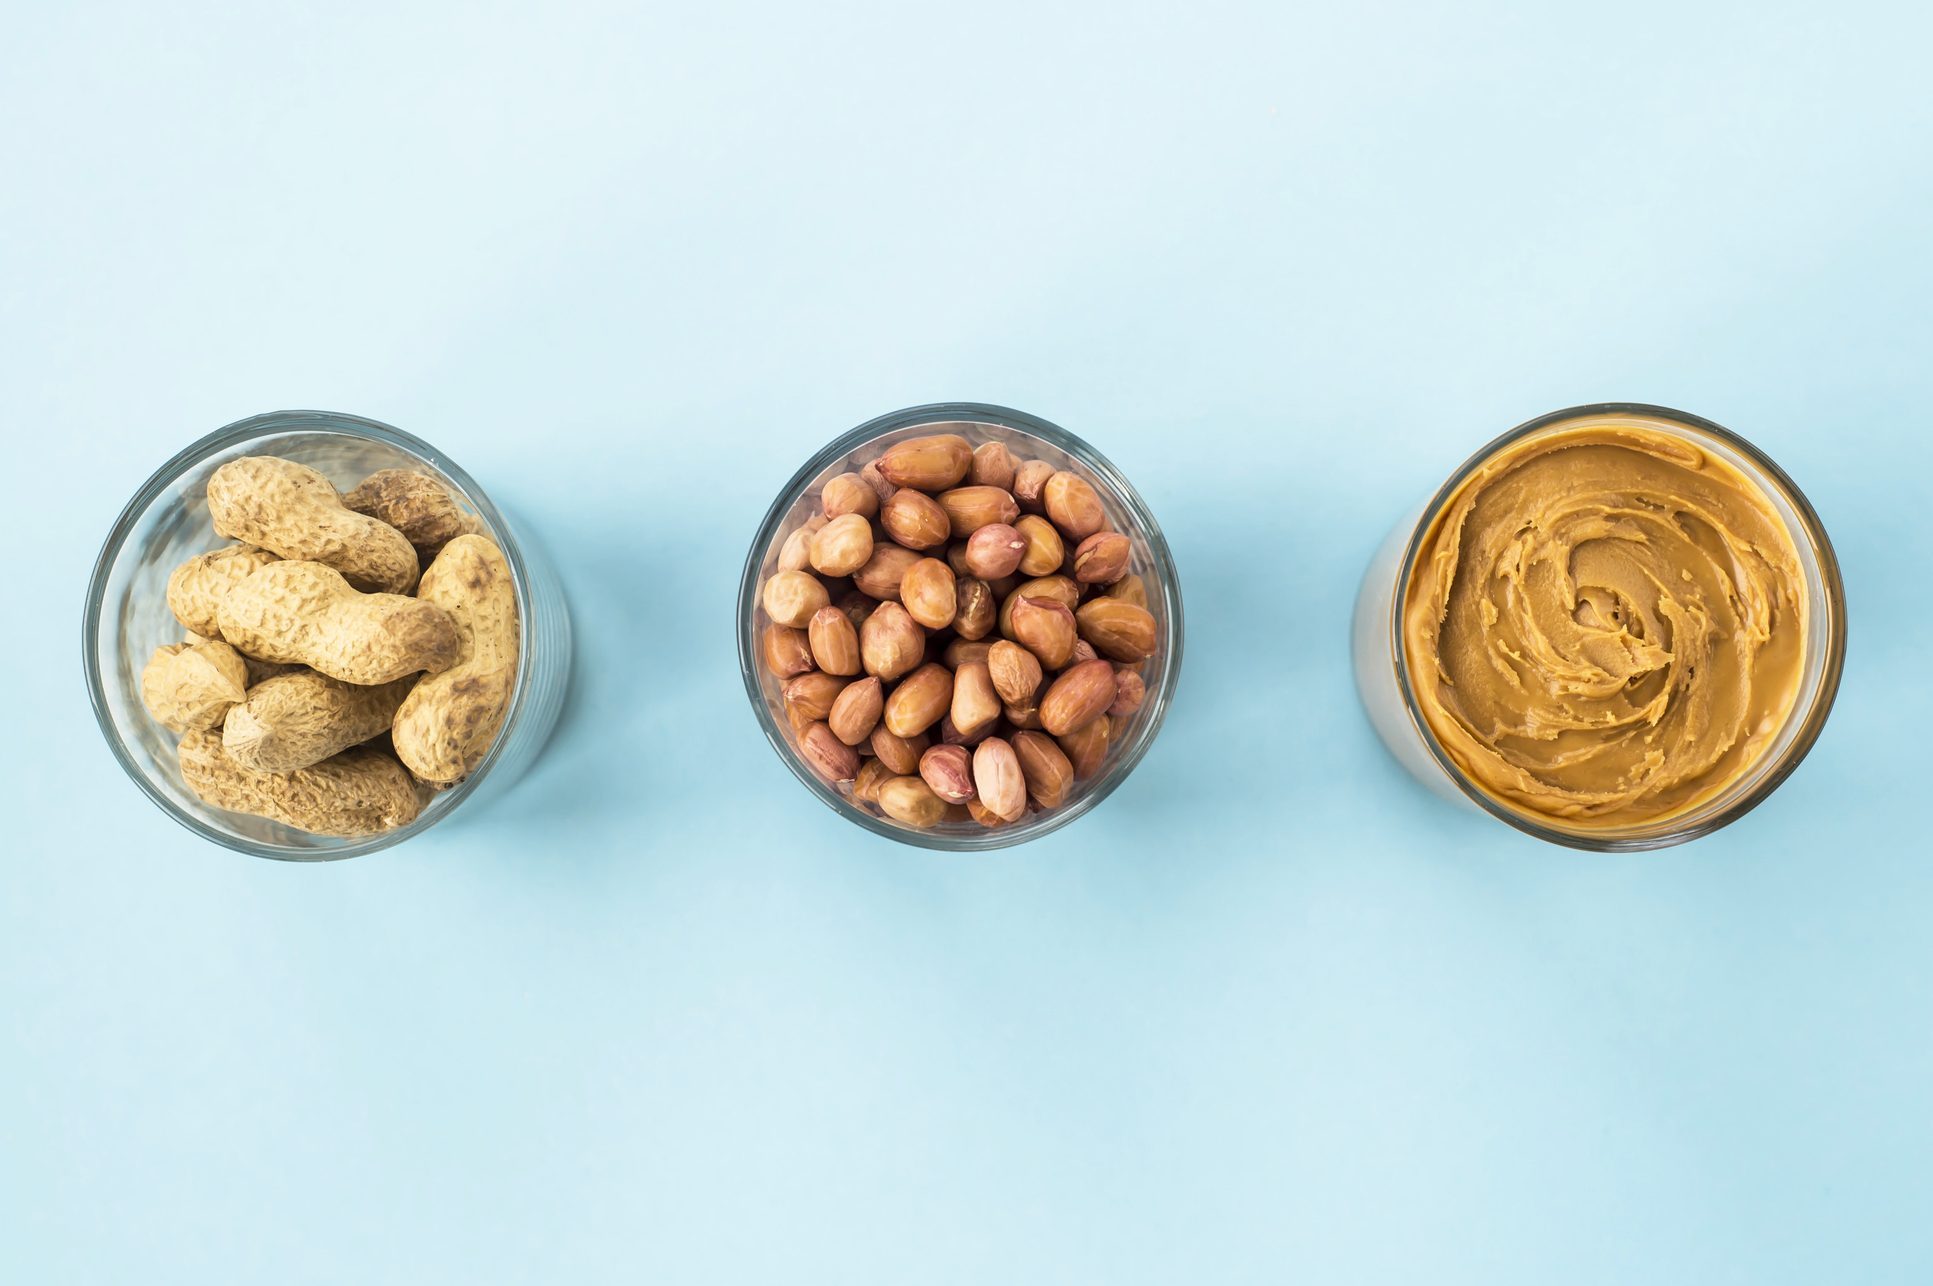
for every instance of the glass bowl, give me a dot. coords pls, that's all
(1029, 438)
(167, 522)
(1383, 677)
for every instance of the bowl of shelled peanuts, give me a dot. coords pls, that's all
(311, 635)
(960, 626)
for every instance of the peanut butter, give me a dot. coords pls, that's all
(1606, 624)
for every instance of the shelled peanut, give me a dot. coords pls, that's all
(956, 633)
(330, 680)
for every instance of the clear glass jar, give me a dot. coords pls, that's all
(127, 618)
(1029, 438)
(1383, 678)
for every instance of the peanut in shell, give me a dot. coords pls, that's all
(296, 513)
(197, 587)
(303, 613)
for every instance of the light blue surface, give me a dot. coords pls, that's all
(1274, 1013)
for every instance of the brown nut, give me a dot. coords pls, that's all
(881, 575)
(976, 706)
(901, 754)
(1045, 551)
(1046, 629)
(1049, 772)
(971, 508)
(998, 781)
(1025, 717)
(910, 801)
(980, 813)
(920, 701)
(848, 493)
(956, 558)
(1102, 558)
(995, 551)
(791, 598)
(951, 735)
(843, 545)
(1061, 589)
(795, 553)
(1015, 672)
(927, 464)
(870, 475)
(949, 771)
(788, 651)
(826, 755)
(1077, 698)
(1083, 650)
(961, 651)
(1130, 691)
(834, 641)
(1130, 589)
(1118, 629)
(993, 466)
(1029, 480)
(891, 642)
(855, 711)
(915, 520)
(812, 694)
(1087, 748)
(1074, 505)
(856, 605)
(865, 784)
(928, 593)
(974, 616)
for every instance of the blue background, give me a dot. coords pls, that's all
(1274, 1012)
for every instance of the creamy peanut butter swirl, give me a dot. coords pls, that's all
(1606, 624)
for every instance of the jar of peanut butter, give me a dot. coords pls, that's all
(1615, 627)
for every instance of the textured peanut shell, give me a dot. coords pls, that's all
(303, 613)
(358, 792)
(415, 504)
(197, 587)
(190, 686)
(302, 718)
(291, 510)
(449, 720)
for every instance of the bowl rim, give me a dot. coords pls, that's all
(937, 413)
(1813, 718)
(339, 423)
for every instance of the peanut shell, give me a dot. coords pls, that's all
(299, 719)
(291, 510)
(358, 792)
(422, 508)
(304, 613)
(190, 687)
(197, 587)
(449, 720)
